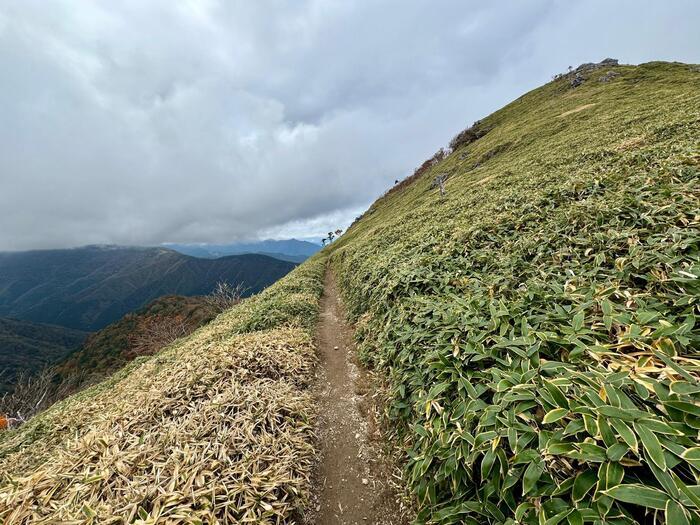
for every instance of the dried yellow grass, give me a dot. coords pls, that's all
(577, 109)
(222, 434)
(631, 143)
(218, 428)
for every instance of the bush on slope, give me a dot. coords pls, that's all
(537, 323)
(215, 429)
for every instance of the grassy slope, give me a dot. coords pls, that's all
(532, 321)
(552, 264)
(109, 349)
(216, 427)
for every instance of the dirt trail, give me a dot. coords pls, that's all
(352, 483)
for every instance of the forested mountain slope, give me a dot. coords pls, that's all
(91, 287)
(138, 333)
(27, 347)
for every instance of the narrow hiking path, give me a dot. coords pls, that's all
(352, 483)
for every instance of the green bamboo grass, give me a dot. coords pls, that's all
(537, 324)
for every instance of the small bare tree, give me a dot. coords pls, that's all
(439, 182)
(30, 394)
(157, 334)
(225, 295)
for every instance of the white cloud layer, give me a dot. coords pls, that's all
(139, 122)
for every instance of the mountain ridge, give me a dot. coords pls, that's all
(87, 288)
(526, 303)
(293, 250)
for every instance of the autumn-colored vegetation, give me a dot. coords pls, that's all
(143, 332)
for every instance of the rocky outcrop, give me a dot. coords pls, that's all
(578, 76)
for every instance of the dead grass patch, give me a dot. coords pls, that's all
(484, 180)
(576, 110)
(221, 435)
(631, 143)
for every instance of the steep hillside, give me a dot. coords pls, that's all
(537, 323)
(27, 347)
(89, 288)
(215, 429)
(109, 349)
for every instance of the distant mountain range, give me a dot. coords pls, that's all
(292, 250)
(27, 347)
(88, 288)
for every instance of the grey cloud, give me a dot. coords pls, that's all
(144, 122)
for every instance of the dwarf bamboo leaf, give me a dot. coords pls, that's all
(639, 495)
(692, 456)
(626, 433)
(583, 483)
(531, 476)
(555, 415)
(684, 406)
(651, 445)
(676, 513)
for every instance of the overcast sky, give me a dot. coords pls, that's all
(142, 122)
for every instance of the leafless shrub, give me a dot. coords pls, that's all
(469, 135)
(332, 235)
(158, 333)
(30, 394)
(225, 295)
(439, 155)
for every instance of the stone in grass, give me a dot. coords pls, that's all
(609, 76)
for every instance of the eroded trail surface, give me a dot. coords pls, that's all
(353, 483)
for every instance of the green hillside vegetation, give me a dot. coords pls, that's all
(27, 347)
(88, 288)
(216, 427)
(537, 324)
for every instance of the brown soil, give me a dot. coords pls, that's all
(353, 483)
